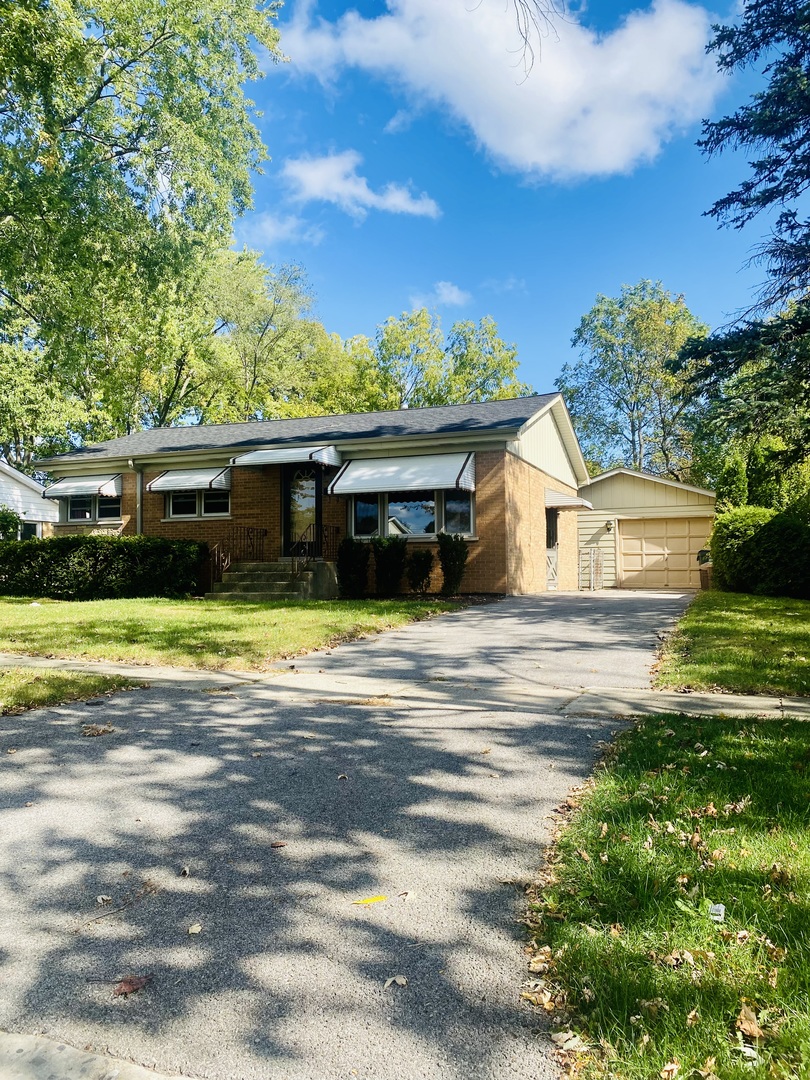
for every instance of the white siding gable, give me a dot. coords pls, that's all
(24, 496)
(541, 444)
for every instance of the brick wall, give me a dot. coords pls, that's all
(526, 530)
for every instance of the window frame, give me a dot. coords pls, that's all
(200, 512)
(94, 518)
(439, 496)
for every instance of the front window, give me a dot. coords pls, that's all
(366, 515)
(458, 512)
(411, 513)
(192, 504)
(183, 504)
(109, 506)
(80, 508)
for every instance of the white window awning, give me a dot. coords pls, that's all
(289, 455)
(109, 484)
(192, 480)
(560, 501)
(415, 473)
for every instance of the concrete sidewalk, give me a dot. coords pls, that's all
(31, 1057)
(155, 675)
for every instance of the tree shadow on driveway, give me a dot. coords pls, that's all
(286, 977)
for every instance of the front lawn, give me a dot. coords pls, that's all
(625, 950)
(196, 633)
(30, 688)
(740, 643)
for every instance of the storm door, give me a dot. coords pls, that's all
(302, 510)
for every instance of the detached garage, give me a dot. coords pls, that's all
(644, 532)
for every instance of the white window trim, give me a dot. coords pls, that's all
(94, 519)
(439, 496)
(200, 515)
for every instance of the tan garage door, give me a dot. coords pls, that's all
(660, 553)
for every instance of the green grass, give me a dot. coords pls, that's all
(686, 813)
(195, 633)
(745, 644)
(27, 688)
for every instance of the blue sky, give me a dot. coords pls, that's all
(414, 163)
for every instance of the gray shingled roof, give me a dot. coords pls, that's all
(441, 420)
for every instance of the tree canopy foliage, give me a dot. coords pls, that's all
(628, 407)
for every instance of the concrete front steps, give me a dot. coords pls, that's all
(263, 581)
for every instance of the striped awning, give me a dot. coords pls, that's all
(192, 480)
(414, 473)
(108, 484)
(289, 455)
(560, 501)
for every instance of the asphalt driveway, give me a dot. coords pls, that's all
(419, 766)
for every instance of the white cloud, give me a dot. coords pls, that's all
(593, 104)
(266, 231)
(443, 294)
(510, 284)
(334, 178)
(400, 121)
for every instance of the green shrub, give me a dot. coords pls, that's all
(10, 523)
(389, 563)
(778, 554)
(419, 568)
(352, 568)
(731, 559)
(453, 552)
(101, 567)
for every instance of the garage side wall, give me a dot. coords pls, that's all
(526, 529)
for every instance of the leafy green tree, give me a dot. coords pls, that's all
(628, 407)
(732, 485)
(411, 365)
(773, 130)
(10, 523)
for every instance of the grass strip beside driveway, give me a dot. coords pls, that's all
(196, 633)
(742, 644)
(26, 688)
(687, 813)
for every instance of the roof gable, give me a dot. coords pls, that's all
(648, 476)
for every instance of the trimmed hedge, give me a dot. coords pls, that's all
(453, 552)
(762, 551)
(101, 567)
(418, 570)
(389, 563)
(352, 568)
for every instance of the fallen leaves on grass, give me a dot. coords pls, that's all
(131, 984)
(670, 1070)
(747, 1023)
(569, 1041)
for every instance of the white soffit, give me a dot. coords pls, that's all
(414, 473)
(289, 455)
(559, 500)
(109, 484)
(192, 480)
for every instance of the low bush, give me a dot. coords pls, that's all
(389, 563)
(352, 568)
(453, 552)
(419, 568)
(101, 567)
(732, 567)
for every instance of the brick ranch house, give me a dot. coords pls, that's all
(504, 474)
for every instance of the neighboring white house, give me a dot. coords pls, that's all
(646, 530)
(23, 495)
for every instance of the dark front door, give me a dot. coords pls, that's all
(302, 510)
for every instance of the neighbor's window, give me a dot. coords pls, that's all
(216, 502)
(80, 508)
(183, 504)
(109, 506)
(366, 515)
(411, 513)
(458, 512)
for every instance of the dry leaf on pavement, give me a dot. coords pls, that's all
(131, 985)
(395, 980)
(195, 928)
(278, 844)
(369, 900)
(97, 729)
(103, 899)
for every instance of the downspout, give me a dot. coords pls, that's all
(138, 470)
